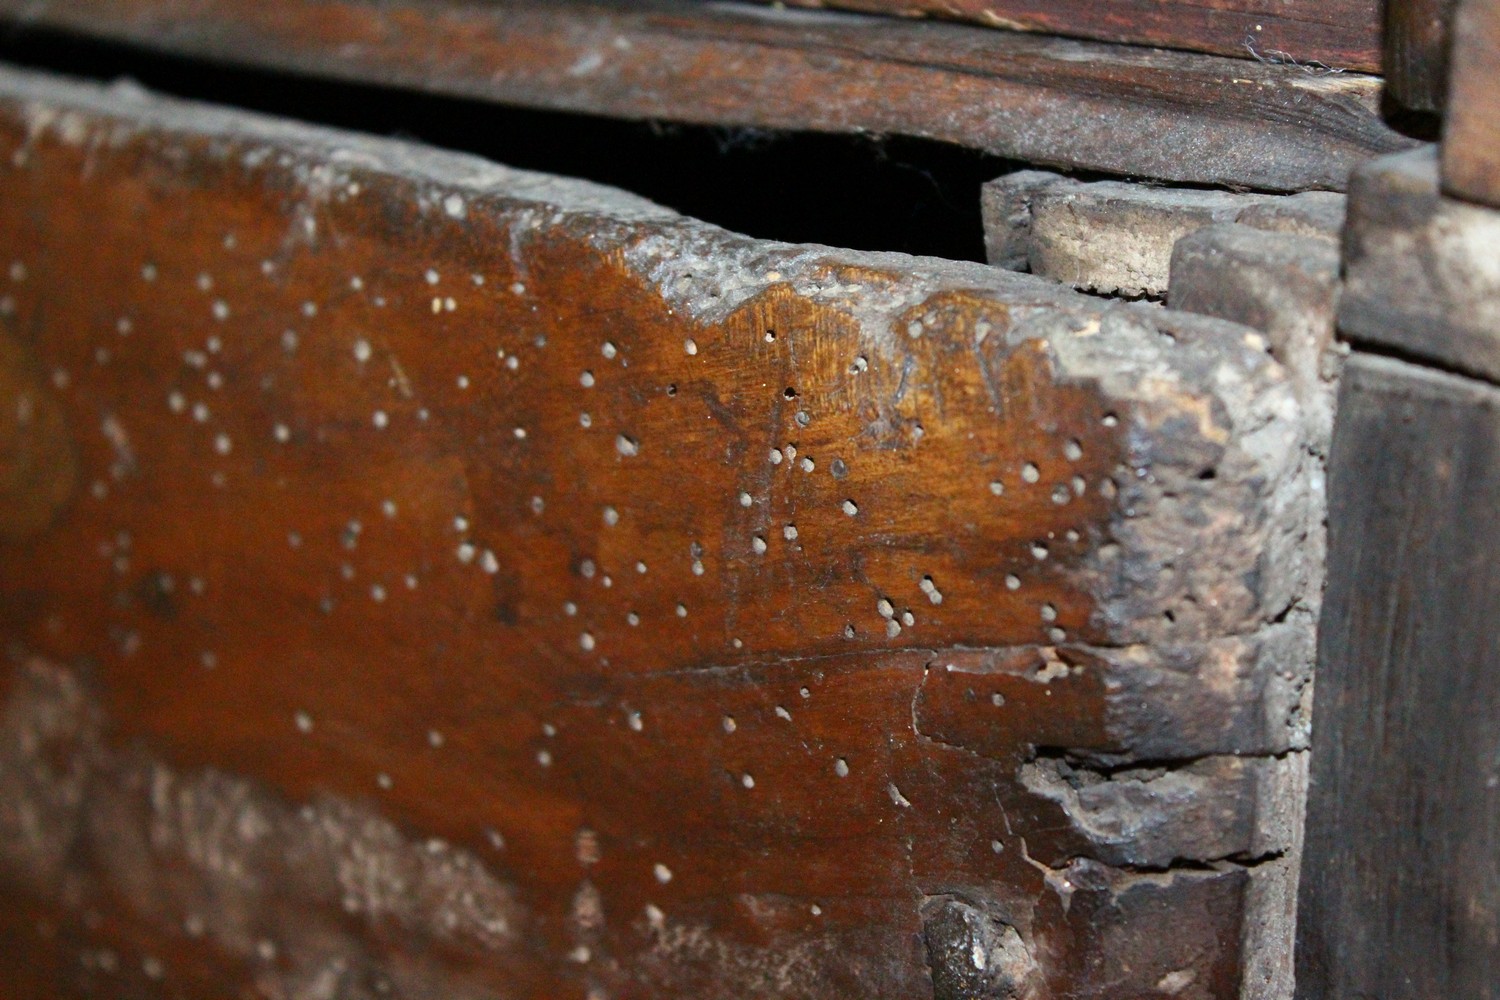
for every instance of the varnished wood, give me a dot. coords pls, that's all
(1401, 886)
(1334, 33)
(1471, 133)
(487, 584)
(1146, 113)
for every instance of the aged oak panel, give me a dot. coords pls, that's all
(1120, 109)
(467, 582)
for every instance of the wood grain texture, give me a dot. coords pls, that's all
(1401, 886)
(479, 583)
(1418, 36)
(1124, 110)
(1471, 132)
(1338, 33)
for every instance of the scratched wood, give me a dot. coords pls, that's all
(1043, 100)
(474, 583)
(1337, 33)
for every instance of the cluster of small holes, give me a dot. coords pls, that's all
(626, 446)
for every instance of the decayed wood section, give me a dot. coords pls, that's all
(1471, 136)
(477, 583)
(1141, 112)
(1332, 32)
(1417, 42)
(1401, 887)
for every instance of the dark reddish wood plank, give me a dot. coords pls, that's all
(482, 583)
(1336, 33)
(1471, 133)
(1146, 113)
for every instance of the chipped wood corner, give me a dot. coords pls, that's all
(517, 589)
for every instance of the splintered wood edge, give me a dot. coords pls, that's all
(1053, 101)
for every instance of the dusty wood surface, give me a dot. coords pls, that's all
(477, 583)
(1146, 113)
(1417, 41)
(1471, 133)
(1286, 285)
(1117, 238)
(1423, 269)
(1401, 887)
(1335, 33)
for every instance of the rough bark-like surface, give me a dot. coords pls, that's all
(1423, 269)
(542, 594)
(1050, 101)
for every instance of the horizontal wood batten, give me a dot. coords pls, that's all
(1334, 32)
(1093, 106)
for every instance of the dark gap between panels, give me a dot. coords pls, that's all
(862, 192)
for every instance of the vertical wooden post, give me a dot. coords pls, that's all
(1401, 871)
(1471, 145)
(1401, 877)
(1416, 47)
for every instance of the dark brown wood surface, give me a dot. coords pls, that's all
(1401, 885)
(1119, 109)
(477, 583)
(1471, 133)
(1417, 45)
(1336, 33)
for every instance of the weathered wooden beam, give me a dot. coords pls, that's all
(483, 583)
(1401, 885)
(1340, 33)
(1422, 276)
(1471, 131)
(1117, 238)
(1050, 101)
(1417, 42)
